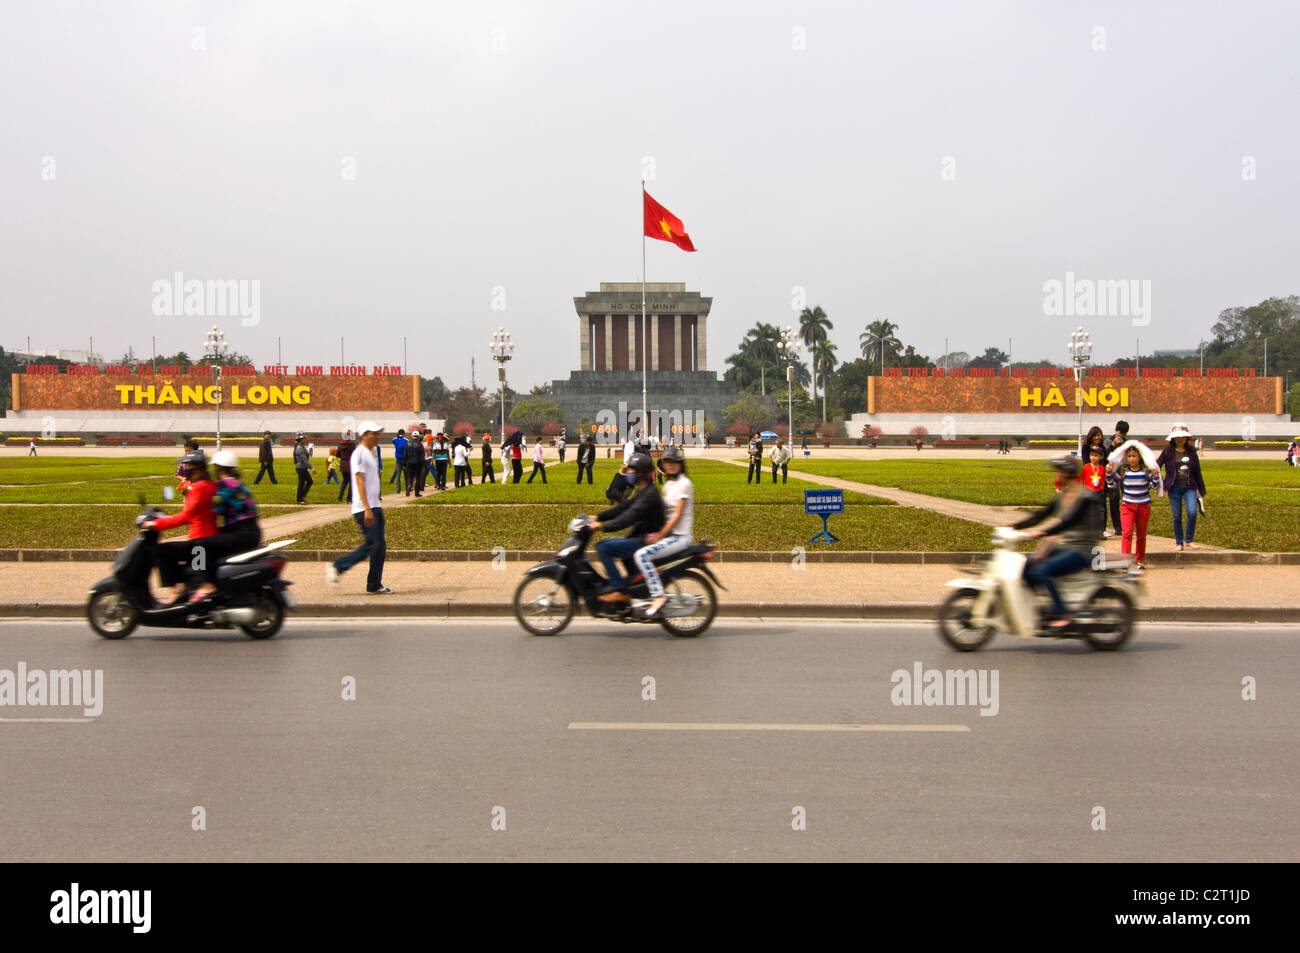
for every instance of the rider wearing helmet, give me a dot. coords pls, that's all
(643, 511)
(236, 510)
(675, 535)
(175, 555)
(1074, 517)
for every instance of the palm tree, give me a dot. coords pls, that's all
(813, 325)
(879, 334)
(741, 369)
(762, 343)
(824, 362)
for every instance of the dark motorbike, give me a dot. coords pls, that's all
(250, 593)
(550, 592)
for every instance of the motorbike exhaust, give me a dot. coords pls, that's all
(241, 615)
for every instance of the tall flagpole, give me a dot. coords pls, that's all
(645, 328)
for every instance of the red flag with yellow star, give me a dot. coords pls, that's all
(664, 225)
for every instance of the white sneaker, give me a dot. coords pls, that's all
(331, 575)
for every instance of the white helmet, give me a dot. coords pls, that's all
(225, 459)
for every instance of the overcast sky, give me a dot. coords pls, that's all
(502, 145)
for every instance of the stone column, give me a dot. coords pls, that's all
(609, 342)
(652, 320)
(631, 342)
(677, 343)
(584, 333)
(701, 342)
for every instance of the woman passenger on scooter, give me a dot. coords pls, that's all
(643, 511)
(675, 536)
(233, 505)
(174, 556)
(1076, 522)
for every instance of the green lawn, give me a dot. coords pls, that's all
(81, 527)
(715, 482)
(735, 527)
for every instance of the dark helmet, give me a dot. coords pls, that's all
(674, 455)
(195, 459)
(641, 464)
(1067, 464)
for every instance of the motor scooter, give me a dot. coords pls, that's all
(1103, 600)
(550, 592)
(250, 592)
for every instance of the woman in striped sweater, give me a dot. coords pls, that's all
(1136, 482)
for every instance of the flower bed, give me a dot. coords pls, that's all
(1249, 444)
(46, 441)
(105, 440)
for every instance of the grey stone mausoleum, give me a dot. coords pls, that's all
(613, 350)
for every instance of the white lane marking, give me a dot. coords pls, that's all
(53, 721)
(745, 726)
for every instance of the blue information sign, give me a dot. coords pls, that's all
(823, 503)
(818, 502)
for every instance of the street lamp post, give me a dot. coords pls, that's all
(502, 350)
(789, 351)
(1080, 348)
(215, 346)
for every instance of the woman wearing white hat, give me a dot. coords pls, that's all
(1182, 482)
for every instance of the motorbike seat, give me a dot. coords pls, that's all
(237, 571)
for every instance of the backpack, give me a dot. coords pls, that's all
(618, 489)
(234, 502)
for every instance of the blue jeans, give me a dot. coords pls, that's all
(375, 546)
(1183, 498)
(614, 549)
(1059, 562)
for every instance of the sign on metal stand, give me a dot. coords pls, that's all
(824, 503)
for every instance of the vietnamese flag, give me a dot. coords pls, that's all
(663, 224)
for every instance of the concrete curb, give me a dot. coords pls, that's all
(1198, 558)
(370, 609)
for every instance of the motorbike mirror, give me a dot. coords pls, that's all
(168, 493)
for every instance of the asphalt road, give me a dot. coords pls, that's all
(454, 719)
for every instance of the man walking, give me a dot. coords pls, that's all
(539, 465)
(302, 464)
(31, 447)
(399, 465)
(586, 457)
(560, 445)
(486, 474)
(265, 459)
(346, 449)
(368, 511)
(440, 456)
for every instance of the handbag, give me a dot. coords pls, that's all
(1200, 504)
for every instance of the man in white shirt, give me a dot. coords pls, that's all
(629, 448)
(368, 511)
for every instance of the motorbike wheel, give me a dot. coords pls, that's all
(543, 605)
(111, 615)
(1113, 608)
(270, 616)
(688, 585)
(954, 622)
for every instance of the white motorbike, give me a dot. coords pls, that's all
(1103, 600)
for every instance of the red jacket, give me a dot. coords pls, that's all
(197, 512)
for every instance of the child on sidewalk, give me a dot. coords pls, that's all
(1136, 482)
(1093, 478)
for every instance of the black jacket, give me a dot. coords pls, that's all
(1077, 526)
(643, 511)
(264, 452)
(586, 454)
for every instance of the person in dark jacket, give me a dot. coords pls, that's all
(586, 457)
(413, 460)
(1182, 482)
(345, 464)
(486, 473)
(302, 464)
(642, 513)
(266, 459)
(1073, 515)
(1114, 494)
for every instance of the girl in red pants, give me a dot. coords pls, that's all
(1135, 510)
